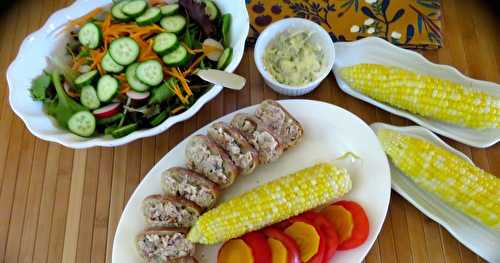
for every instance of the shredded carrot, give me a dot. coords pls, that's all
(191, 51)
(84, 19)
(193, 66)
(157, 2)
(175, 72)
(174, 111)
(183, 81)
(97, 56)
(77, 62)
(177, 91)
(124, 88)
(121, 77)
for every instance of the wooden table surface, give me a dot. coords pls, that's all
(57, 204)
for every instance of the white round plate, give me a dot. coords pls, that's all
(379, 51)
(330, 132)
(31, 61)
(474, 235)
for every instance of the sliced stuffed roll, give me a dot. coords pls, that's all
(189, 185)
(205, 157)
(236, 146)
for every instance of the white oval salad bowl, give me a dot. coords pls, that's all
(480, 239)
(31, 61)
(378, 51)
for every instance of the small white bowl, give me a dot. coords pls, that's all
(320, 36)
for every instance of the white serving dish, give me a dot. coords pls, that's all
(330, 132)
(320, 36)
(31, 61)
(478, 238)
(379, 51)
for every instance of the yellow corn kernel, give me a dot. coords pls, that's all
(270, 203)
(425, 95)
(454, 180)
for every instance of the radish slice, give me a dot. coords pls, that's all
(107, 111)
(213, 49)
(138, 95)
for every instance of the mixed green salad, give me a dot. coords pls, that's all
(133, 66)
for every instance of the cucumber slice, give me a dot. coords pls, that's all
(117, 13)
(107, 87)
(173, 24)
(132, 80)
(150, 72)
(124, 51)
(178, 57)
(211, 9)
(165, 43)
(125, 130)
(110, 120)
(151, 16)
(89, 99)
(159, 118)
(90, 36)
(86, 79)
(135, 8)
(110, 65)
(169, 10)
(82, 123)
(225, 59)
(226, 27)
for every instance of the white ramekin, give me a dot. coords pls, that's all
(320, 36)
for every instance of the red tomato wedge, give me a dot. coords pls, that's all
(291, 246)
(261, 251)
(361, 225)
(331, 238)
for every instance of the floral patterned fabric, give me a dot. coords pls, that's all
(408, 23)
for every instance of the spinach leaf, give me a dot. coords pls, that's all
(40, 86)
(63, 107)
(162, 92)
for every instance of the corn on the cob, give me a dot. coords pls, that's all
(270, 203)
(425, 95)
(456, 181)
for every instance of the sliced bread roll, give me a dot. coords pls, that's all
(170, 211)
(182, 182)
(280, 122)
(205, 157)
(236, 146)
(266, 143)
(164, 245)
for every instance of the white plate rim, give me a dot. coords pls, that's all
(431, 209)
(383, 167)
(450, 131)
(54, 23)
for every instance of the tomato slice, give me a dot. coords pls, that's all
(308, 217)
(361, 225)
(261, 251)
(328, 229)
(318, 258)
(291, 246)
